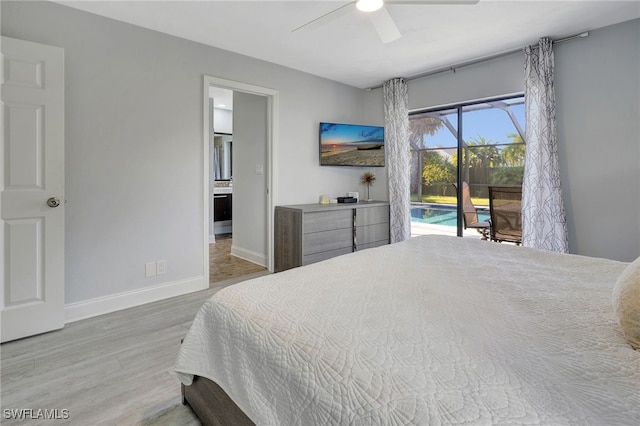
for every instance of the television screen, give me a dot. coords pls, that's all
(351, 145)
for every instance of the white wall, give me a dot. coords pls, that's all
(598, 100)
(134, 143)
(222, 120)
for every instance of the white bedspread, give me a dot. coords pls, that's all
(435, 330)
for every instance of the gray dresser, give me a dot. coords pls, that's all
(308, 233)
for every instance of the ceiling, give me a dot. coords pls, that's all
(348, 49)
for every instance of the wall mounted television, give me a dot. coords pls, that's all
(351, 145)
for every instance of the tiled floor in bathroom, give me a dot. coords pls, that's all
(223, 266)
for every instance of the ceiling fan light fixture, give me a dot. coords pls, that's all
(369, 5)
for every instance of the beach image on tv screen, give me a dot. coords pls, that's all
(351, 145)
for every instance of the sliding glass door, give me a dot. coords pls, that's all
(471, 145)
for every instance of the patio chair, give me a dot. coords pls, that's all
(470, 214)
(505, 208)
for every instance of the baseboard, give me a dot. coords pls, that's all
(250, 256)
(115, 302)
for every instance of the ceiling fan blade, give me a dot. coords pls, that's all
(439, 2)
(326, 18)
(384, 25)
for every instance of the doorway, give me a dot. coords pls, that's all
(220, 162)
(472, 145)
(249, 242)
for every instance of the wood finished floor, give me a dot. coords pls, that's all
(114, 369)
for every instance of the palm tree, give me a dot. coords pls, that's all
(483, 153)
(420, 127)
(513, 155)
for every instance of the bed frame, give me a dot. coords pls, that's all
(212, 405)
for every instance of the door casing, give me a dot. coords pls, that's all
(271, 160)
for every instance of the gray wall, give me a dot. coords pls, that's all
(598, 116)
(134, 143)
(249, 187)
(598, 99)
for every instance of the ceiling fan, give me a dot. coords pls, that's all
(379, 15)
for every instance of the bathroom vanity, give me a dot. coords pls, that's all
(222, 207)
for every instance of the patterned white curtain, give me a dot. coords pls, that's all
(544, 222)
(396, 123)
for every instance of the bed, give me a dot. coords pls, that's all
(434, 330)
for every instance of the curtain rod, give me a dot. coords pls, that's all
(484, 59)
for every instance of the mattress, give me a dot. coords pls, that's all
(434, 330)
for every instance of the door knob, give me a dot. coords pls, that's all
(53, 202)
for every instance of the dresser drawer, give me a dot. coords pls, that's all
(327, 240)
(317, 257)
(372, 234)
(327, 220)
(372, 215)
(371, 245)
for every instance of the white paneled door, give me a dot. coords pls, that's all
(32, 201)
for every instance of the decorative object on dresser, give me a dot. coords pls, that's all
(368, 179)
(347, 200)
(309, 233)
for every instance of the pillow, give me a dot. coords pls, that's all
(626, 302)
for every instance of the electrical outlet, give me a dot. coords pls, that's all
(150, 269)
(162, 267)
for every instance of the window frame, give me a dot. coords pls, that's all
(460, 108)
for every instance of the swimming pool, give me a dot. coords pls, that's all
(438, 214)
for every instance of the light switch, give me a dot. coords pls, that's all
(162, 267)
(259, 169)
(150, 269)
